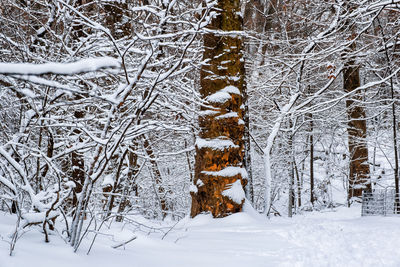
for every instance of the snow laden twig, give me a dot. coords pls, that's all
(77, 67)
(99, 163)
(125, 242)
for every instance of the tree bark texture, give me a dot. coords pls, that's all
(130, 185)
(249, 189)
(359, 174)
(312, 198)
(357, 132)
(219, 173)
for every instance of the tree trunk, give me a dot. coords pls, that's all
(291, 198)
(249, 189)
(312, 198)
(394, 125)
(130, 185)
(219, 173)
(359, 179)
(357, 132)
(396, 155)
(77, 163)
(298, 185)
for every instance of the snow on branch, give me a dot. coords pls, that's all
(80, 66)
(381, 3)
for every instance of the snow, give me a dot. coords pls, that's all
(80, 66)
(217, 143)
(330, 238)
(267, 150)
(231, 90)
(193, 188)
(199, 183)
(228, 172)
(208, 113)
(70, 184)
(235, 192)
(37, 217)
(108, 180)
(223, 95)
(227, 115)
(218, 97)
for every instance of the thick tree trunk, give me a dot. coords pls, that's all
(219, 173)
(357, 132)
(359, 174)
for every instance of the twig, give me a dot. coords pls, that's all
(169, 230)
(124, 243)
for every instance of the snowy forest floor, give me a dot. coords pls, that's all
(339, 237)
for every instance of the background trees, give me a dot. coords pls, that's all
(113, 132)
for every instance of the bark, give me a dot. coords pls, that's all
(217, 168)
(395, 150)
(359, 175)
(249, 189)
(50, 151)
(312, 198)
(394, 125)
(130, 185)
(298, 185)
(291, 197)
(357, 132)
(77, 163)
(113, 189)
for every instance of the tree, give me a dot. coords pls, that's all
(357, 125)
(81, 119)
(219, 173)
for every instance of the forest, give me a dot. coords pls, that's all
(152, 115)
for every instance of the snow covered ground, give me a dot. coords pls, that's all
(331, 238)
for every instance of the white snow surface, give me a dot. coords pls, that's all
(80, 66)
(218, 97)
(216, 143)
(231, 90)
(228, 172)
(223, 95)
(235, 192)
(228, 115)
(330, 238)
(108, 180)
